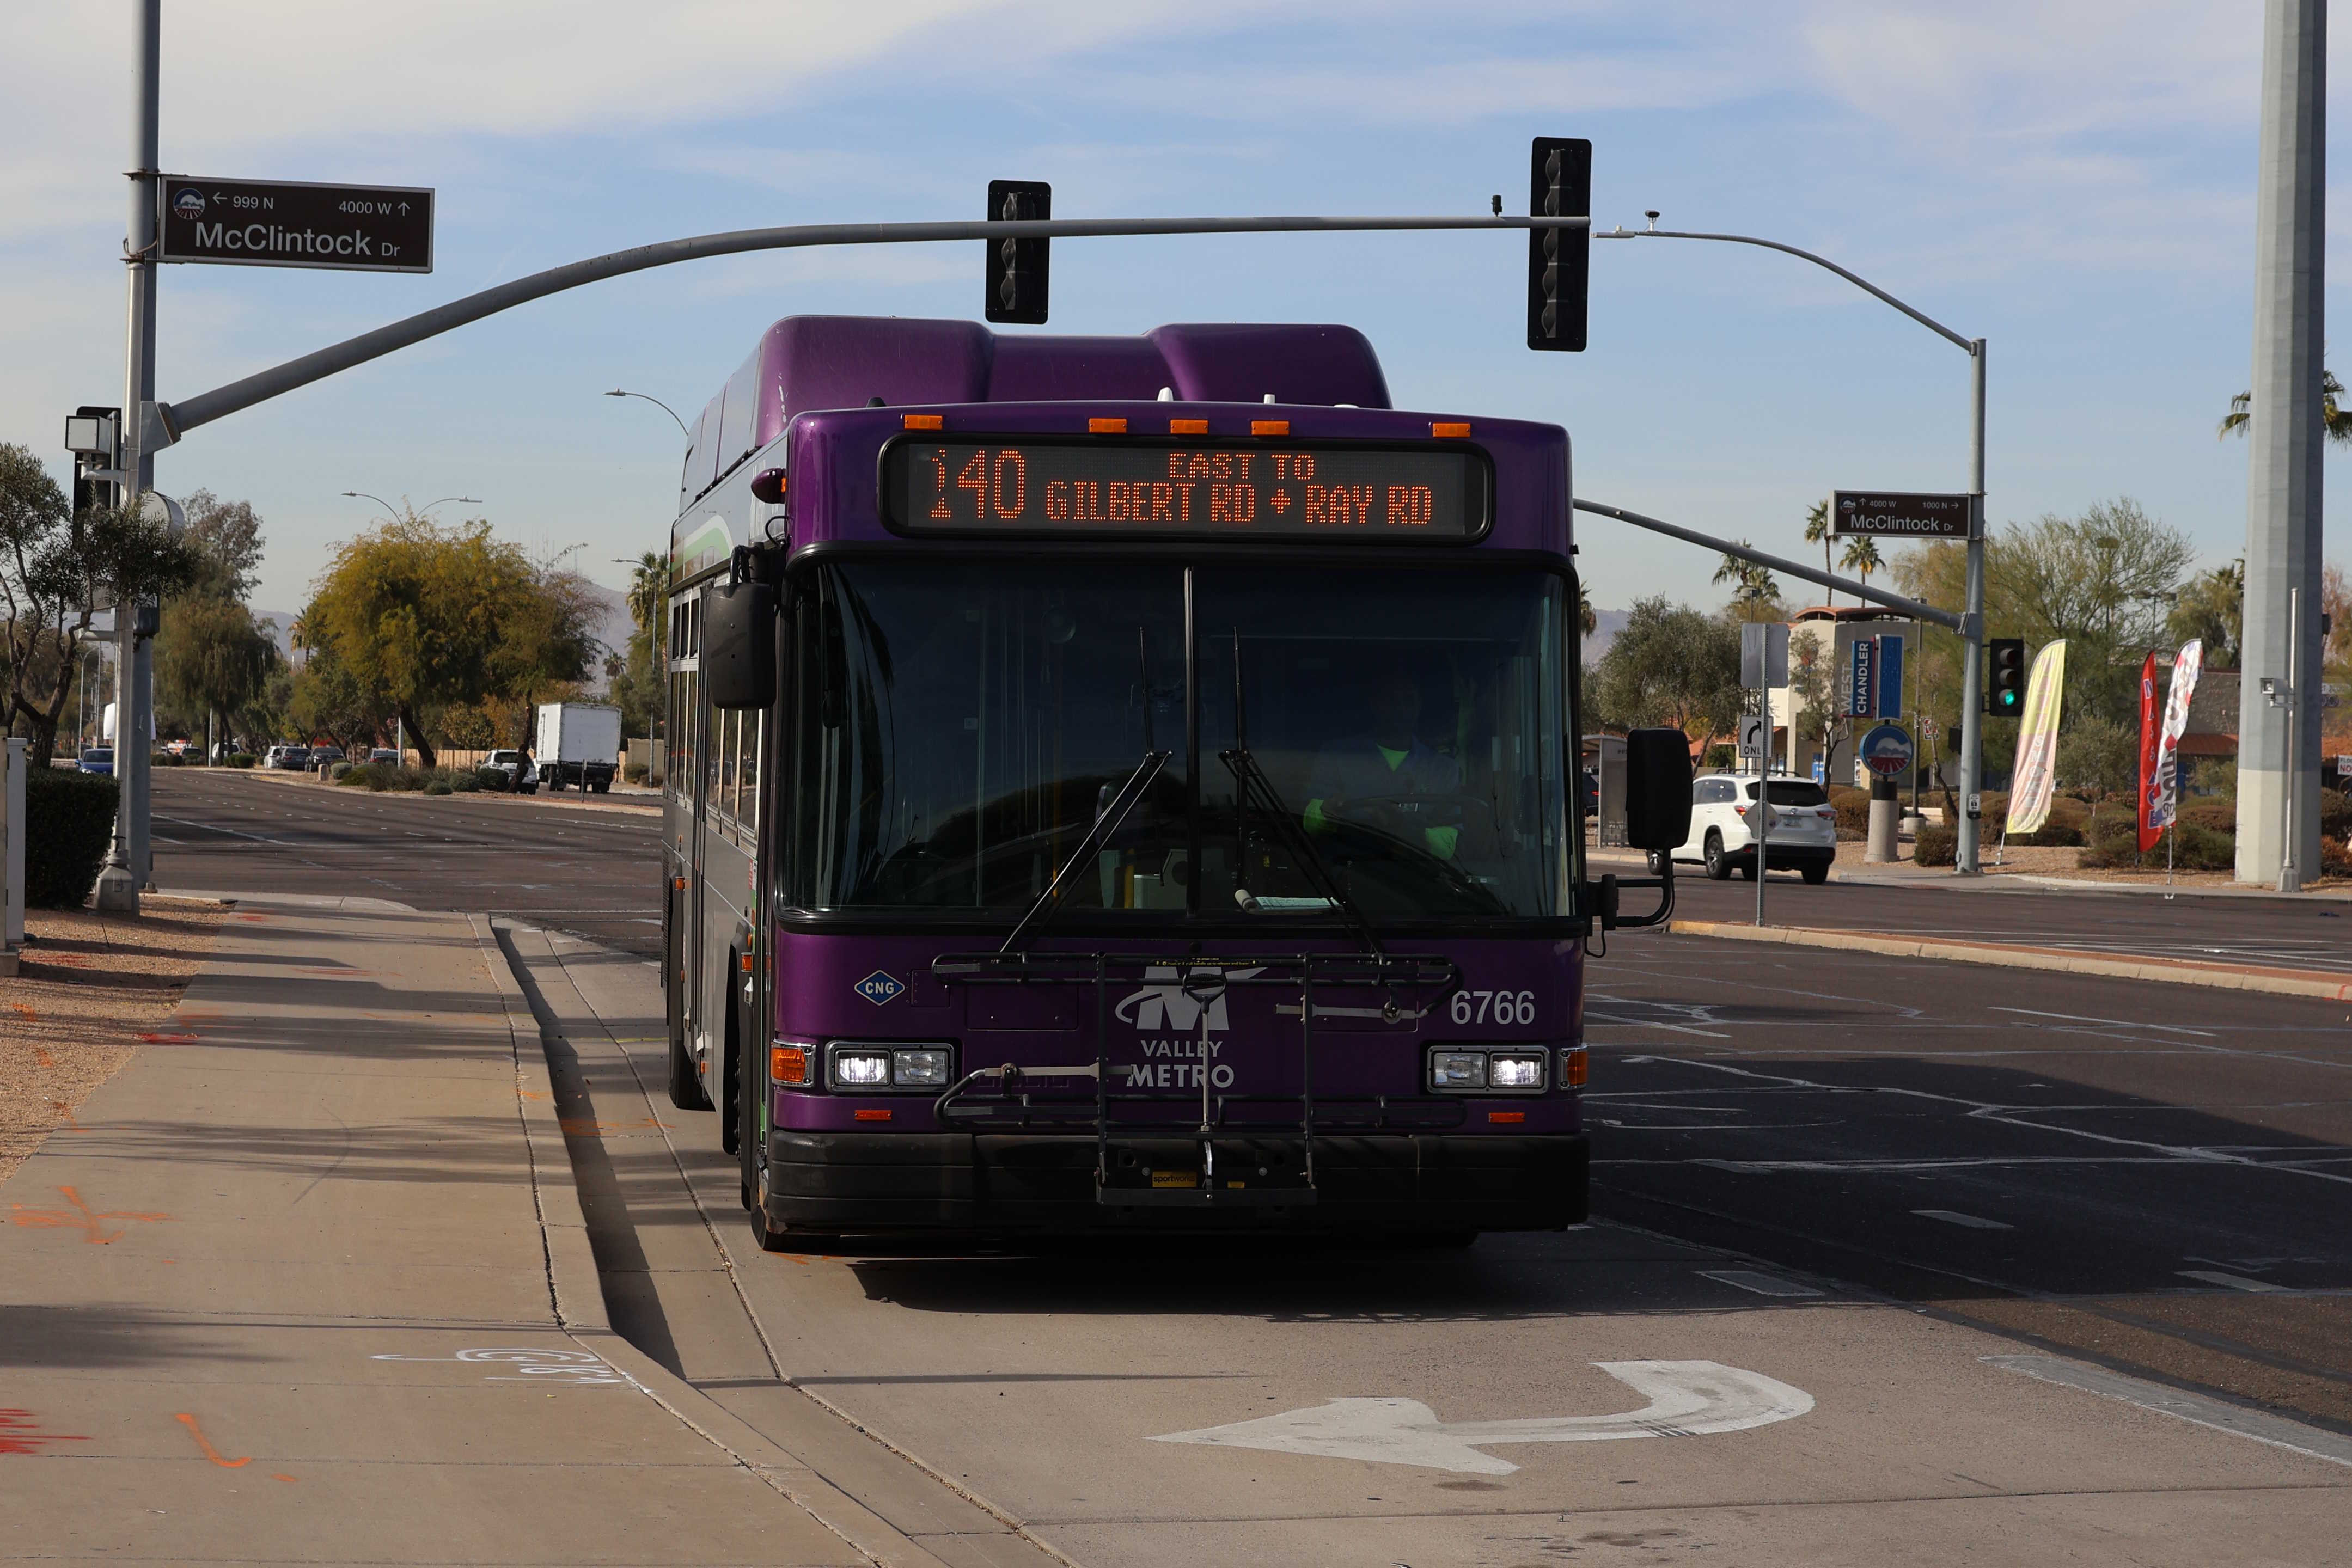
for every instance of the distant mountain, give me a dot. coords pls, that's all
(1606, 624)
(283, 620)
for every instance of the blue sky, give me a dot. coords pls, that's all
(2075, 187)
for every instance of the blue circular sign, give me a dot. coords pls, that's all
(1887, 750)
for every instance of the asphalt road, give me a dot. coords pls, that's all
(2155, 1179)
(560, 861)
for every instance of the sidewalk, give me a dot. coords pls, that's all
(309, 1282)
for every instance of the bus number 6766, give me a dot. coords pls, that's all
(1494, 1007)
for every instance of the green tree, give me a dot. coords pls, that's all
(2212, 606)
(212, 658)
(54, 567)
(327, 699)
(432, 617)
(226, 538)
(1671, 665)
(2336, 421)
(1861, 557)
(2097, 756)
(1817, 532)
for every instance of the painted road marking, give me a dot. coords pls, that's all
(215, 1455)
(2275, 1430)
(572, 1368)
(2233, 1282)
(1687, 1398)
(1762, 1284)
(1954, 1217)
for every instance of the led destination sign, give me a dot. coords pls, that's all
(1131, 489)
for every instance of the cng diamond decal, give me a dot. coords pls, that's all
(879, 988)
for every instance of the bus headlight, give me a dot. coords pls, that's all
(1457, 1070)
(1515, 1070)
(923, 1069)
(859, 1068)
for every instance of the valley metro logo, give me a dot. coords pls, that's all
(1168, 1005)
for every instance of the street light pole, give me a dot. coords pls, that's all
(119, 882)
(379, 501)
(1972, 621)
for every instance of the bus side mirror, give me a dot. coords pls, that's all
(739, 645)
(1657, 789)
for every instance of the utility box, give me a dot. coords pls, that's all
(578, 745)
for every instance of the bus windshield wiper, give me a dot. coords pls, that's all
(1253, 787)
(1107, 820)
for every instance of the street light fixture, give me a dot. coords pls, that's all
(379, 501)
(658, 402)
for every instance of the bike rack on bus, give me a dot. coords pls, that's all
(1204, 978)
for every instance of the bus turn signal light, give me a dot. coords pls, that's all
(1107, 427)
(1443, 431)
(922, 421)
(1269, 427)
(1188, 427)
(1571, 1066)
(788, 1064)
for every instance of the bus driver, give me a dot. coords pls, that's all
(1372, 769)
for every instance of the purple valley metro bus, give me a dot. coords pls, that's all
(1126, 783)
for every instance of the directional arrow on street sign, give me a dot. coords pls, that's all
(1687, 1398)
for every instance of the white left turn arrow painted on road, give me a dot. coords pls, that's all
(1687, 1398)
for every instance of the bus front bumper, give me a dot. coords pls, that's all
(828, 1182)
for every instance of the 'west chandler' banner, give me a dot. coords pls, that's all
(2035, 779)
(2149, 731)
(2186, 665)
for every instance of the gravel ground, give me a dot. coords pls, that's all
(90, 985)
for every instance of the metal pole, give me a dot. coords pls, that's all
(119, 882)
(2289, 879)
(1964, 858)
(2277, 744)
(1762, 833)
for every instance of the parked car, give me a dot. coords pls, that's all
(1803, 835)
(521, 772)
(384, 754)
(323, 757)
(290, 758)
(96, 759)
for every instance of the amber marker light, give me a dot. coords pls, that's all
(1107, 427)
(922, 421)
(788, 1064)
(870, 1115)
(1269, 427)
(1573, 1068)
(1188, 427)
(1444, 431)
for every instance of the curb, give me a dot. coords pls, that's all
(561, 800)
(577, 1291)
(2178, 972)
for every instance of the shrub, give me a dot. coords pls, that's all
(1936, 846)
(635, 773)
(241, 759)
(2334, 814)
(338, 772)
(2215, 814)
(489, 779)
(438, 786)
(161, 760)
(70, 823)
(461, 781)
(2193, 848)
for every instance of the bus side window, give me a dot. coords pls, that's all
(748, 774)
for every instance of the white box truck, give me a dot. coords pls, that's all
(579, 743)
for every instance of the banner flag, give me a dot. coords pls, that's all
(2035, 779)
(2185, 666)
(2150, 727)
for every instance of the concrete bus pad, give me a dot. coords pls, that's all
(284, 1295)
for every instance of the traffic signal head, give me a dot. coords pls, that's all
(2005, 688)
(1558, 260)
(1017, 268)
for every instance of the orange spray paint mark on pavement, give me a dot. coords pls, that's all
(77, 1215)
(24, 1012)
(279, 1477)
(41, 1055)
(65, 1116)
(169, 1039)
(20, 1433)
(185, 1419)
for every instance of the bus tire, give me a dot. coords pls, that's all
(685, 1085)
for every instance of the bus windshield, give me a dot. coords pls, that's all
(963, 723)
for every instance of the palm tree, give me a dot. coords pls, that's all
(2337, 421)
(1861, 557)
(1586, 616)
(1817, 532)
(648, 583)
(1749, 579)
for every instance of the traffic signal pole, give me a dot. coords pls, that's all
(125, 872)
(1971, 623)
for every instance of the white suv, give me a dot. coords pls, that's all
(1803, 835)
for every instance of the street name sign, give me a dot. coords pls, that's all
(1899, 515)
(288, 223)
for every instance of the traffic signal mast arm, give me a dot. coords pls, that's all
(1910, 607)
(177, 419)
